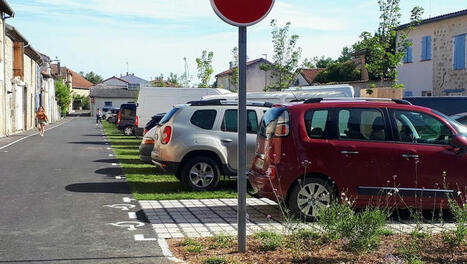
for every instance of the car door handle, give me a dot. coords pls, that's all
(410, 156)
(345, 152)
(226, 140)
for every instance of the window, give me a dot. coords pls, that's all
(408, 54)
(315, 123)
(107, 103)
(229, 124)
(459, 52)
(361, 124)
(204, 118)
(426, 48)
(421, 128)
(133, 86)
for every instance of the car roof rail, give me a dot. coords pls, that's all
(357, 99)
(227, 102)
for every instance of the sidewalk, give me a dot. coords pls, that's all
(6, 140)
(211, 217)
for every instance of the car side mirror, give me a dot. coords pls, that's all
(458, 141)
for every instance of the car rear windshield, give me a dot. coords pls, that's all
(169, 115)
(270, 116)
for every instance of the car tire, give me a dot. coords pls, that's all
(200, 174)
(128, 131)
(308, 195)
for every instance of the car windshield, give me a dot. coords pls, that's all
(169, 115)
(461, 129)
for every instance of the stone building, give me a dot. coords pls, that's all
(5, 13)
(436, 62)
(257, 79)
(77, 84)
(47, 95)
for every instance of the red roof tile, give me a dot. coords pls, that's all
(310, 74)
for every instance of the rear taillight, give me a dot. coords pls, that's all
(271, 171)
(282, 126)
(166, 135)
(148, 141)
(119, 117)
(136, 121)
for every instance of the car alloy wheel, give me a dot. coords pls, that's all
(308, 196)
(312, 197)
(201, 175)
(128, 131)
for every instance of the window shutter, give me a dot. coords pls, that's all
(459, 52)
(424, 48)
(428, 48)
(18, 59)
(409, 54)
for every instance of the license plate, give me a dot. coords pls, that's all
(259, 163)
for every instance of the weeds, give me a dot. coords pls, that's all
(222, 241)
(192, 246)
(269, 241)
(215, 260)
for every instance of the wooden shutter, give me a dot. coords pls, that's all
(18, 59)
(459, 52)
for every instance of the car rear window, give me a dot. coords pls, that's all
(169, 115)
(270, 116)
(204, 118)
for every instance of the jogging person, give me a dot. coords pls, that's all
(42, 119)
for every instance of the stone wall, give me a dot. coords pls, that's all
(444, 76)
(2, 86)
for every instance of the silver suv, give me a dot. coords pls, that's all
(198, 141)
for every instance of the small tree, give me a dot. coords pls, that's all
(159, 81)
(286, 57)
(339, 72)
(62, 94)
(185, 79)
(92, 77)
(235, 75)
(205, 69)
(173, 80)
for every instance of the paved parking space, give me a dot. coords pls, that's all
(210, 217)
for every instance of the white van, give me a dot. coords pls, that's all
(155, 100)
(293, 94)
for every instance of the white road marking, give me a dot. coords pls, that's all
(114, 164)
(131, 225)
(6, 151)
(128, 200)
(123, 207)
(23, 138)
(109, 148)
(132, 215)
(111, 155)
(119, 177)
(139, 237)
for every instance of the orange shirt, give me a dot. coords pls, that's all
(41, 115)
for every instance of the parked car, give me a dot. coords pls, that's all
(147, 145)
(111, 115)
(461, 118)
(309, 153)
(198, 141)
(127, 119)
(153, 122)
(448, 105)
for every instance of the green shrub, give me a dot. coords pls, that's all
(223, 241)
(215, 260)
(359, 231)
(192, 245)
(269, 241)
(409, 250)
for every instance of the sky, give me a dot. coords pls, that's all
(153, 36)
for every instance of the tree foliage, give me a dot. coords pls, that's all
(173, 79)
(92, 77)
(339, 72)
(205, 70)
(185, 79)
(286, 57)
(234, 77)
(62, 94)
(81, 99)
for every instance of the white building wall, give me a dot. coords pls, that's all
(417, 76)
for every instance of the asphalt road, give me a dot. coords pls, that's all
(60, 202)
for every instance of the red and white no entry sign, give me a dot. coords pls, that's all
(242, 12)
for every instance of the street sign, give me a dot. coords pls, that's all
(242, 12)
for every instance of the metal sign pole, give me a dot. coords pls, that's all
(241, 148)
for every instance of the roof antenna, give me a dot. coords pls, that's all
(127, 68)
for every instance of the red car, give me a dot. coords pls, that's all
(308, 154)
